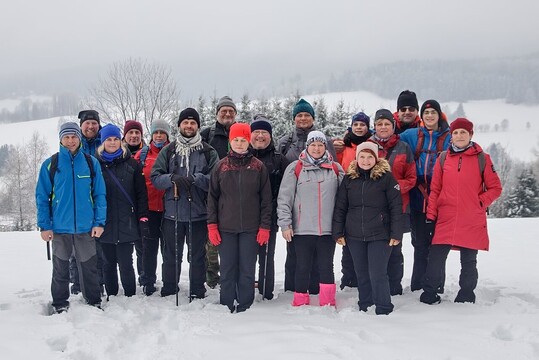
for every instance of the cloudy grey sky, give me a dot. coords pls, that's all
(216, 41)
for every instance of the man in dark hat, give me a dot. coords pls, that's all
(407, 116)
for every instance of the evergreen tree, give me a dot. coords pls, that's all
(321, 114)
(245, 114)
(524, 199)
(339, 120)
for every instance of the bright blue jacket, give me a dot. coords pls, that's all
(424, 164)
(76, 206)
(90, 146)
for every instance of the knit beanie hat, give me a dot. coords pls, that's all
(302, 106)
(461, 123)
(110, 130)
(431, 104)
(261, 123)
(189, 113)
(384, 114)
(226, 101)
(160, 125)
(407, 98)
(70, 128)
(316, 136)
(368, 146)
(132, 124)
(240, 130)
(89, 115)
(361, 116)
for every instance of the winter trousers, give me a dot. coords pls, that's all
(212, 261)
(395, 269)
(468, 271)
(83, 246)
(306, 246)
(290, 271)
(266, 265)
(197, 267)
(238, 253)
(139, 251)
(370, 263)
(119, 256)
(421, 243)
(74, 270)
(347, 269)
(150, 249)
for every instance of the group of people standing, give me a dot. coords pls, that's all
(226, 190)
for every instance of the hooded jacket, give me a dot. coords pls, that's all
(155, 196)
(368, 205)
(76, 206)
(458, 201)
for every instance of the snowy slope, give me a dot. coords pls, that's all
(503, 324)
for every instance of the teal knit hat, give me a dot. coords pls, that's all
(302, 106)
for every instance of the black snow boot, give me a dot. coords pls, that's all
(430, 298)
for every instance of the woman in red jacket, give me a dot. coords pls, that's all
(464, 184)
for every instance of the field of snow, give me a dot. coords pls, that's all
(519, 141)
(503, 324)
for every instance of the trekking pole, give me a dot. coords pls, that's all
(176, 198)
(265, 271)
(48, 250)
(190, 244)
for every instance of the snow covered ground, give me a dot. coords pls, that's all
(503, 324)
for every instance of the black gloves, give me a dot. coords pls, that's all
(184, 182)
(144, 228)
(429, 229)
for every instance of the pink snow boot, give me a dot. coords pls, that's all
(301, 299)
(327, 294)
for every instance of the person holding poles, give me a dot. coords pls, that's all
(183, 169)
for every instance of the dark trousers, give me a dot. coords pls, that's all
(436, 267)
(421, 242)
(347, 269)
(370, 263)
(266, 265)
(150, 249)
(119, 256)
(74, 269)
(237, 252)
(395, 269)
(196, 255)
(306, 246)
(290, 271)
(139, 251)
(83, 246)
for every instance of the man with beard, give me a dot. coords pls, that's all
(407, 115)
(217, 137)
(185, 164)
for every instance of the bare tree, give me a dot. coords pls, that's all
(135, 89)
(20, 194)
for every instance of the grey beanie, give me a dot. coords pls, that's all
(226, 101)
(160, 125)
(70, 128)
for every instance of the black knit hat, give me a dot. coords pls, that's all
(261, 123)
(89, 115)
(384, 114)
(407, 98)
(189, 113)
(431, 104)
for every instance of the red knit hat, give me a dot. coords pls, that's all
(132, 124)
(240, 130)
(461, 123)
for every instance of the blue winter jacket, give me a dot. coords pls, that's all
(90, 146)
(76, 206)
(425, 162)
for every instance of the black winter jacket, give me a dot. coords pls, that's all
(218, 140)
(122, 218)
(239, 199)
(368, 206)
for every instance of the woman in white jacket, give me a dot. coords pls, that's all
(305, 209)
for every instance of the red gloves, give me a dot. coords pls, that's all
(262, 237)
(213, 234)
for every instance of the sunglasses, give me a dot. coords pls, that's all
(407, 108)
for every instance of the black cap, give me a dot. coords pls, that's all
(88, 115)
(189, 113)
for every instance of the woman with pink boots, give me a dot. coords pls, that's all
(305, 208)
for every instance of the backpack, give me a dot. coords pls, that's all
(421, 141)
(53, 167)
(482, 163)
(286, 146)
(299, 166)
(144, 154)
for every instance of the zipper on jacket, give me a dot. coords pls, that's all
(74, 193)
(241, 199)
(363, 209)
(319, 210)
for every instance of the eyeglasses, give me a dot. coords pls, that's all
(223, 111)
(407, 108)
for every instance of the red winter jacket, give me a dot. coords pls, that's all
(458, 202)
(155, 197)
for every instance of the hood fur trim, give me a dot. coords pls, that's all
(379, 169)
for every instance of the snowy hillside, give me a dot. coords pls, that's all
(519, 140)
(501, 325)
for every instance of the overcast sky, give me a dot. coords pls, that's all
(219, 40)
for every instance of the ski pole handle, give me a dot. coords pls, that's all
(48, 250)
(176, 195)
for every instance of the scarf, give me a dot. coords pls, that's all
(110, 157)
(351, 138)
(316, 162)
(185, 146)
(458, 150)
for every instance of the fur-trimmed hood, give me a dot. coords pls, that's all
(379, 169)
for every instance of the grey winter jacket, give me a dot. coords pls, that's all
(306, 203)
(293, 144)
(168, 163)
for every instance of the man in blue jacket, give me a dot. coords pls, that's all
(71, 212)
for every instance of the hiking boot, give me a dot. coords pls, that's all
(430, 298)
(61, 309)
(75, 289)
(149, 289)
(465, 297)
